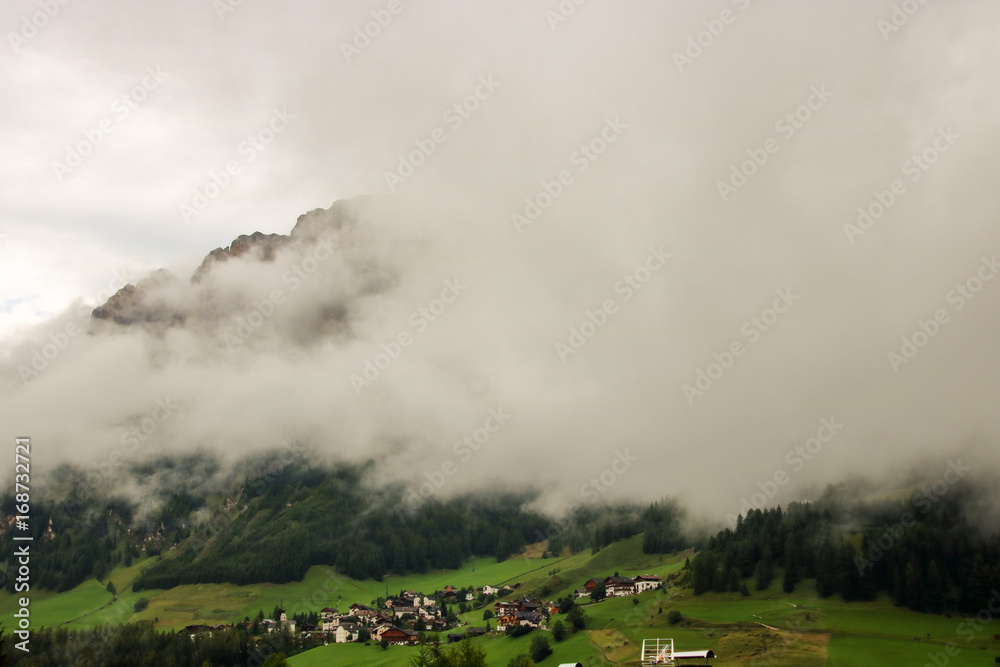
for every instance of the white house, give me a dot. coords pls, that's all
(347, 632)
(647, 582)
(399, 611)
(619, 586)
(329, 619)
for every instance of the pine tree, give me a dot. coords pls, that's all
(827, 569)
(916, 594)
(764, 572)
(734, 580)
(935, 588)
(851, 587)
(704, 572)
(898, 590)
(977, 589)
(790, 577)
(793, 557)
(745, 558)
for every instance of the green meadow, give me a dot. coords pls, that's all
(766, 628)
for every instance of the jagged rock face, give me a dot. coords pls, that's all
(314, 223)
(128, 305)
(159, 300)
(257, 245)
(309, 227)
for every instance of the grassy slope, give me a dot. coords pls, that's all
(805, 631)
(90, 604)
(499, 652)
(86, 605)
(830, 632)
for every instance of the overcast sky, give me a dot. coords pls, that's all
(693, 165)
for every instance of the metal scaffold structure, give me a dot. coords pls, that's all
(658, 652)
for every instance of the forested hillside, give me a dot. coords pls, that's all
(272, 523)
(922, 551)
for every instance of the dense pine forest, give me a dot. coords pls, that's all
(922, 551)
(140, 643)
(333, 515)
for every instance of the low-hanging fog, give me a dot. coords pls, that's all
(575, 188)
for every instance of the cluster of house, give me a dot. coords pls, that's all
(616, 586)
(267, 625)
(408, 608)
(525, 612)
(192, 630)
(380, 623)
(412, 608)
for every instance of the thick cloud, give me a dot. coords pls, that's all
(696, 169)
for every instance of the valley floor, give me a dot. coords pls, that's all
(768, 628)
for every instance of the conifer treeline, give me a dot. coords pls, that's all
(141, 643)
(925, 555)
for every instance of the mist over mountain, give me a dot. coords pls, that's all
(593, 259)
(373, 334)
